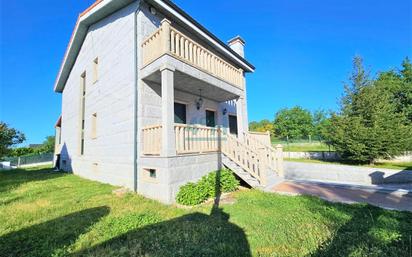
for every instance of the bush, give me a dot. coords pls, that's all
(191, 194)
(196, 193)
(228, 182)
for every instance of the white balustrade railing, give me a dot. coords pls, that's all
(251, 154)
(169, 40)
(272, 157)
(152, 140)
(196, 139)
(245, 157)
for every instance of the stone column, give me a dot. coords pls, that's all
(168, 133)
(244, 109)
(240, 117)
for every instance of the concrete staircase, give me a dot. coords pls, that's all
(240, 172)
(255, 162)
(272, 178)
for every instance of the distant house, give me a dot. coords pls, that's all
(152, 100)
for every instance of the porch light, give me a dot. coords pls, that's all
(199, 101)
(152, 10)
(224, 111)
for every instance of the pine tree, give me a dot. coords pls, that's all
(369, 125)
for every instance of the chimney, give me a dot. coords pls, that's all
(237, 44)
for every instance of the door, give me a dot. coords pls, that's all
(180, 113)
(210, 118)
(233, 124)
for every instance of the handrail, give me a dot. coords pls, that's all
(272, 157)
(245, 157)
(252, 155)
(169, 40)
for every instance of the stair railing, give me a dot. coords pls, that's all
(271, 157)
(245, 157)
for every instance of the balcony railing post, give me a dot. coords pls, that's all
(166, 35)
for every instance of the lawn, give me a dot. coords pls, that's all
(45, 213)
(306, 146)
(386, 165)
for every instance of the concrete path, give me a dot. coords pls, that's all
(386, 197)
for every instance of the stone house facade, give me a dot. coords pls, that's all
(152, 100)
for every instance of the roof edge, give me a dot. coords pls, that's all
(191, 22)
(84, 21)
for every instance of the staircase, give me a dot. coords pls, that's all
(258, 164)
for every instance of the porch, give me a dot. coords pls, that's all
(181, 73)
(251, 154)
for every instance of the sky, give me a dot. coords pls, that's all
(302, 50)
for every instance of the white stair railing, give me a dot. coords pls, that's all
(245, 157)
(272, 157)
(251, 154)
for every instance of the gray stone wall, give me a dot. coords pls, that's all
(173, 172)
(109, 157)
(325, 155)
(344, 174)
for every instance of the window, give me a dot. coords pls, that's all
(180, 113)
(152, 173)
(82, 110)
(94, 125)
(233, 124)
(95, 70)
(149, 175)
(210, 118)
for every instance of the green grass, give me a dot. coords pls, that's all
(303, 146)
(44, 213)
(386, 165)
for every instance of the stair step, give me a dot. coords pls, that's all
(244, 175)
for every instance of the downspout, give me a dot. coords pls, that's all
(135, 104)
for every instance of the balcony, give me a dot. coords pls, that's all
(167, 40)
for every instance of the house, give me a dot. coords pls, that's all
(152, 100)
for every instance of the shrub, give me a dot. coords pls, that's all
(191, 194)
(228, 182)
(196, 193)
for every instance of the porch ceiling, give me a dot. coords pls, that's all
(187, 83)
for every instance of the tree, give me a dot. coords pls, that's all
(261, 126)
(321, 123)
(399, 85)
(20, 151)
(293, 123)
(48, 145)
(8, 138)
(369, 125)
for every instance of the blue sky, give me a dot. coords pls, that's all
(302, 50)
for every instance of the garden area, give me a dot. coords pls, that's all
(48, 213)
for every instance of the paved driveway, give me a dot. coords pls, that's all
(389, 198)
